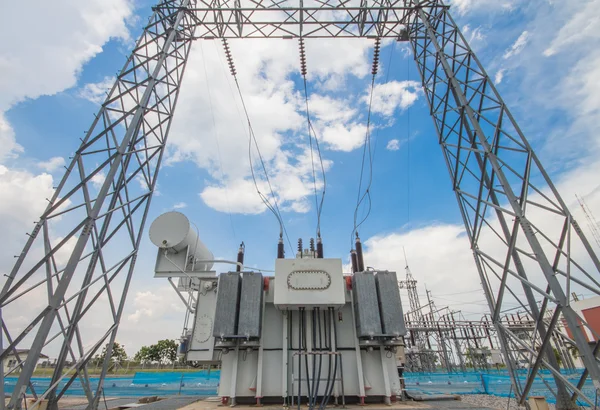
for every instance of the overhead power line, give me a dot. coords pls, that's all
(311, 133)
(274, 208)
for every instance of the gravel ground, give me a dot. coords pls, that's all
(494, 402)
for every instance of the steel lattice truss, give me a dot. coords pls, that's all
(84, 247)
(506, 199)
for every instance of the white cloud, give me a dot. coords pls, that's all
(8, 145)
(246, 200)
(52, 164)
(499, 76)
(154, 305)
(212, 131)
(98, 179)
(517, 46)
(473, 36)
(439, 255)
(342, 137)
(97, 92)
(387, 97)
(469, 6)
(62, 36)
(582, 27)
(180, 205)
(393, 145)
(23, 196)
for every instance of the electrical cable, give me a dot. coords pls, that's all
(366, 146)
(217, 141)
(252, 138)
(305, 348)
(299, 358)
(318, 206)
(318, 381)
(311, 397)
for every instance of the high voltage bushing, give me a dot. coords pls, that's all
(376, 56)
(229, 57)
(302, 57)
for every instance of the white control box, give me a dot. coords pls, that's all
(308, 283)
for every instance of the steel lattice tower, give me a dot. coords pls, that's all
(505, 196)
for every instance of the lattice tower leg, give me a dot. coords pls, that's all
(490, 164)
(127, 139)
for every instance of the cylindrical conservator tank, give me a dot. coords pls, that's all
(174, 232)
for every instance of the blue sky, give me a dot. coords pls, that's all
(541, 55)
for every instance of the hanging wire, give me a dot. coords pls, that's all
(367, 147)
(252, 138)
(217, 141)
(408, 152)
(311, 132)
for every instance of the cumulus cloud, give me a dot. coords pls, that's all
(517, 46)
(97, 92)
(8, 144)
(153, 305)
(387, 97)
(52, 164)
(180, 205)
(64, 35)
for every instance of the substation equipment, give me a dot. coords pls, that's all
(526, 245)
(310, 333)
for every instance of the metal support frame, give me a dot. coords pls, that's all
(99, 208)
(505, 196)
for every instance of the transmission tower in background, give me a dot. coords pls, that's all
(525, 243)
(591, 220)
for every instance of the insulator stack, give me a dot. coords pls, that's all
(319, 248)
(229, 57)
(280, 249)
(302, 57)
(300, 246)
(376, 56)
(240, 257)
(359, 254)
(354, 260)
(312, 245)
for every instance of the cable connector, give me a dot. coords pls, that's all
(229, 57)
(376, 56)
(302, 57)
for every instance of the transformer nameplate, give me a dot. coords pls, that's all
(309, 280)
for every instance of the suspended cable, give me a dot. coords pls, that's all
(408, 152)
(217, 140)
(252, 138)
(311, 132)
(367, 147)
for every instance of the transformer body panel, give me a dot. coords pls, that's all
(228, 302)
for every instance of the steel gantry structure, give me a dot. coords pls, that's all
(97, 214)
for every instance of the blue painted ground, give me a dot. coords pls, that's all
(201, 383)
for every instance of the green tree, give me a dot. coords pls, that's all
(165, 350)
(143, 355)
(117, 355)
